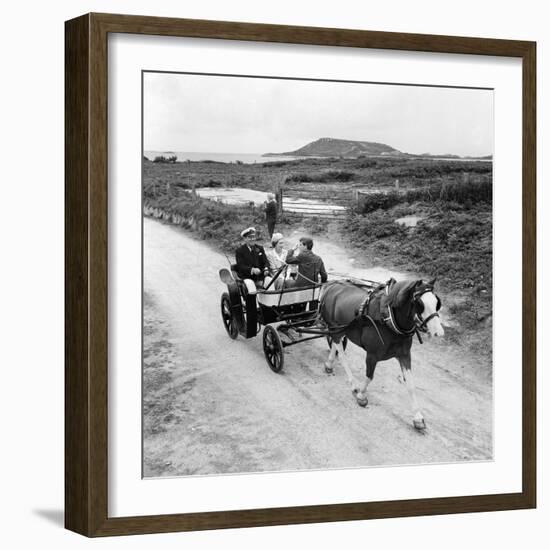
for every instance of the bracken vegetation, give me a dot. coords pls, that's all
(452, 240)
(212, 221)
(322, 177)
(466, 194)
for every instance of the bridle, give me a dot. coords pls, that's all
(421, 324)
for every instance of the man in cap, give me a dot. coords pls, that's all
(251, 259)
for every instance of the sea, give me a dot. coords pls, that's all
(250, 158)
(245, 158)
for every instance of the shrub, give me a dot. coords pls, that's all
(367, 164)
(322, 177)
(274, 164)
(379, 201)
(449, 194)
(212, 183)
(211, 220)
(454, 246)
(162, 158)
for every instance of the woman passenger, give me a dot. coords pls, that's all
(276, 257)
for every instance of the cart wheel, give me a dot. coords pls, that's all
(229, 321)
(344, 342)
(273, 349)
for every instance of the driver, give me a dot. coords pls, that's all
(251, 258)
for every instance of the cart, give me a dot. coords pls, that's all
(288, 316)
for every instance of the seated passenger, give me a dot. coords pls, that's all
(311, 269)
(251, 259)
(276, 255)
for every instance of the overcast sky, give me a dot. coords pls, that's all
(201, 113)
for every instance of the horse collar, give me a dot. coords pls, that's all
(392, 324)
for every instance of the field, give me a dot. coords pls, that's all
(451, 199)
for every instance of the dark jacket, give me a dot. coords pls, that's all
(310, 268)
(247, 258)
(271, 210)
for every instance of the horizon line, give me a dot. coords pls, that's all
(448, 153)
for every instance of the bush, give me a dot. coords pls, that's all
(274, 164)
(379, 201)
(454, 246)
(467, 191)
(322, 177)
(211, 220)
(450, 194)
(162, 158)
(367, 163)
(212, 183)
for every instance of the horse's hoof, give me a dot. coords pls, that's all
(361, 401)
(328, 368)
(419, 425)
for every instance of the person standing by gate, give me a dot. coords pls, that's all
(271, 213)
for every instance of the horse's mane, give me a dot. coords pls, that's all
(400, 292)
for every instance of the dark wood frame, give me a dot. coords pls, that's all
(86, 274)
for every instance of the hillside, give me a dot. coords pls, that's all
(331, 147)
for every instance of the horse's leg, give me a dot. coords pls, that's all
(405, 364)
(360, 395)
(329, 363)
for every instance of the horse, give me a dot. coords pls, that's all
(383, 322)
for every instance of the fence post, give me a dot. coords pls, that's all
(279, 198)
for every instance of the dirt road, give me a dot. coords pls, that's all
(212, 405)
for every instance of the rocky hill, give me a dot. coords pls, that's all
(332, 147)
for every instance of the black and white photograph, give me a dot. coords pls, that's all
(317, 270)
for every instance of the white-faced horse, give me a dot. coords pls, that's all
(383, 323)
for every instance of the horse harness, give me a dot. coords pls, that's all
(387, 315)
(384, 312)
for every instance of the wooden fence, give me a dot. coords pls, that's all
(301, 201)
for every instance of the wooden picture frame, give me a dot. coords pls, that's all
(86, 283)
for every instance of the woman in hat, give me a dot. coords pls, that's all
(276, 255)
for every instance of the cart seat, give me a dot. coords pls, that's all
(289, 296)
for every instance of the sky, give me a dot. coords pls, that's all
(225, 114)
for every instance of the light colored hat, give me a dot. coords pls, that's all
(276, 238)
(248, 231)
